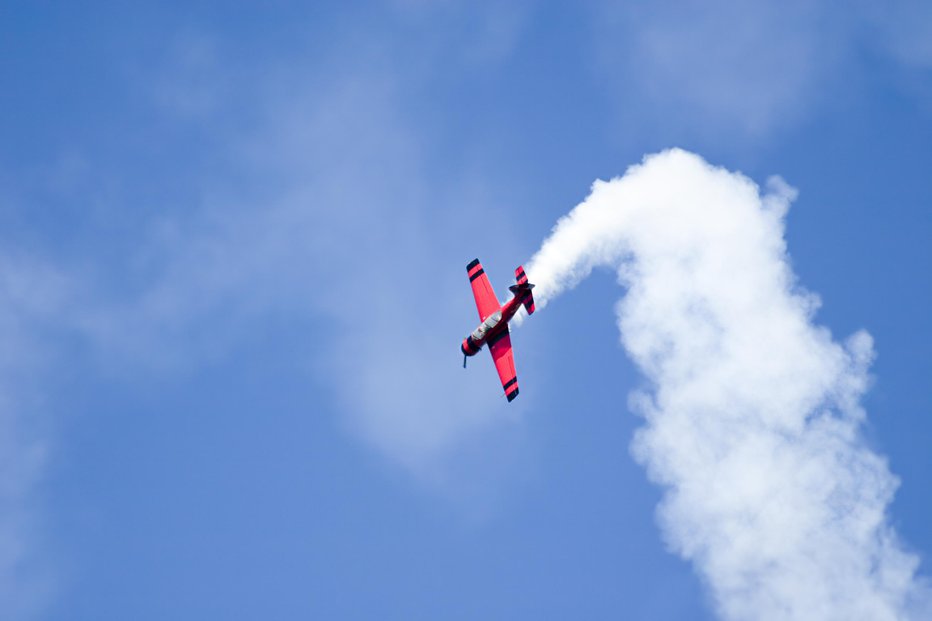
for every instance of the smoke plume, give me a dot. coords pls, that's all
(752, 415)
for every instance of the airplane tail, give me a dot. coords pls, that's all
(524, 285)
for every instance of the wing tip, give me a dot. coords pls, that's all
(511, 389)
(472, 264)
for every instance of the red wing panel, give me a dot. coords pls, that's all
(486, 301)
(502, 355)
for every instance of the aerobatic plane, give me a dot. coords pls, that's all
(494, 327)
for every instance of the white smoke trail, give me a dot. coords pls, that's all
(752, 413)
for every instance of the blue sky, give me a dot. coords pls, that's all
(232, 259)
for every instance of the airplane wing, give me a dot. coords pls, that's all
(486, 301)
(502, 355)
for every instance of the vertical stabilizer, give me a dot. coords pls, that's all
(528, 302)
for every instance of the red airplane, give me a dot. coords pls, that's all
(494, 327)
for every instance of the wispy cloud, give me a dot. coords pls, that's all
(751, 68)
(902, 28)
(32, 296)
(320, 212)
(330, 219)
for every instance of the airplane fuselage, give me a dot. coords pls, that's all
(493, 331)
(495, 324)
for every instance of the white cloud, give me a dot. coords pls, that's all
(751, 410)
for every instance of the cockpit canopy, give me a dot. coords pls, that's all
(486, 326)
